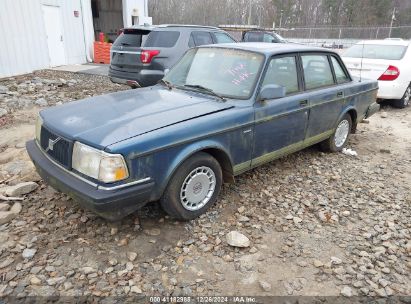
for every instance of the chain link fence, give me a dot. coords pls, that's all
(343, 37)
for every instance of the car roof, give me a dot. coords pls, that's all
(163, 26)
(386, 42)
(270, 48)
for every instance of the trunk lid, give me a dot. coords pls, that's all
(126, 50)
(369, 68)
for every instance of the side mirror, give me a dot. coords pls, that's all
(272, 91)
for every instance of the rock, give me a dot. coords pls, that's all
(237, 239)
(88, 270)
(297, 220)
(21, 189)
(42, 102)
(4, 207)
(302, 263)
(336, 261)
(6, 216)
(114, 230)
(135, 289)
(16, 208)
(318, 263)
(56, 281)
(35, 280)
(6, 262)
(384, 114)
(241, 209)
(29, 253)
(67, 285)
(346, 292)
(265, 285)
(152, 232)
(4, 89)
(381, 292)
(3, 112)
(131, 256)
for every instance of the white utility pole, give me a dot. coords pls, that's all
(392, 21)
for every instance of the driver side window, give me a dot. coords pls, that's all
(283, 72)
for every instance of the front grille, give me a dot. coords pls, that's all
(61, 149)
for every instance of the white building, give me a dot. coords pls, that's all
(37, 34)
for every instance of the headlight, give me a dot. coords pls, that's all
(39, 123)
(99, 165)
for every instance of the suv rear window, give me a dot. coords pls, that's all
(131, 37)
(376, 51)
(164, 39)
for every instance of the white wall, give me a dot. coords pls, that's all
(130, 7)
(23, 46)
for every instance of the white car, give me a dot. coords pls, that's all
(389, 62)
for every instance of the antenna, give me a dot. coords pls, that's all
(362, 57)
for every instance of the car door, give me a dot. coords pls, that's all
(280, 124)
(325, 96)
(198, 38)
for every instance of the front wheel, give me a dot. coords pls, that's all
(193, 188)
(340, 137)
(404, 101)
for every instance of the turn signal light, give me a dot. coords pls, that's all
(147, 55)
(390, 74)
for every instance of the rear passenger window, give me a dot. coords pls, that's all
(283, 72)
(317, 71)
(201, 38)
(339, 71)
(166, 39)
(223, 38)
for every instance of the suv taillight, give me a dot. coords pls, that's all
(390, 74)
(147, 55)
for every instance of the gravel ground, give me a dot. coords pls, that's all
(317, 224)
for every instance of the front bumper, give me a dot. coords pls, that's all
(109, 204)
(391, 89)
(144, 78)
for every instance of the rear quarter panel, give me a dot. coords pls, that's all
(359, 96)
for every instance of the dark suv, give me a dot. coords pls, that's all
(262, 36)
(141, 55)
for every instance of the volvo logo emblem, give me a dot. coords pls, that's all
(197, 188)
(52, 143)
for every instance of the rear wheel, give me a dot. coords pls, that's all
(340, 137)
(193, 188)
(404, 101)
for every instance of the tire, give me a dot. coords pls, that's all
(340, 136)
(404, 101)
(186, 196)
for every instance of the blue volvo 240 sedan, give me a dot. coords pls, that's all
(222, 110)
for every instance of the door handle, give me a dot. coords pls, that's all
(303, 103)
(340, 94)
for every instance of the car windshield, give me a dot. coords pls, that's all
(376, 51)
(227, 72)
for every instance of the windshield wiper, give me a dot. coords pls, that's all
(166, 83)
(125, 44)
(200, 87)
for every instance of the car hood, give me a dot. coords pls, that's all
(104, 120)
